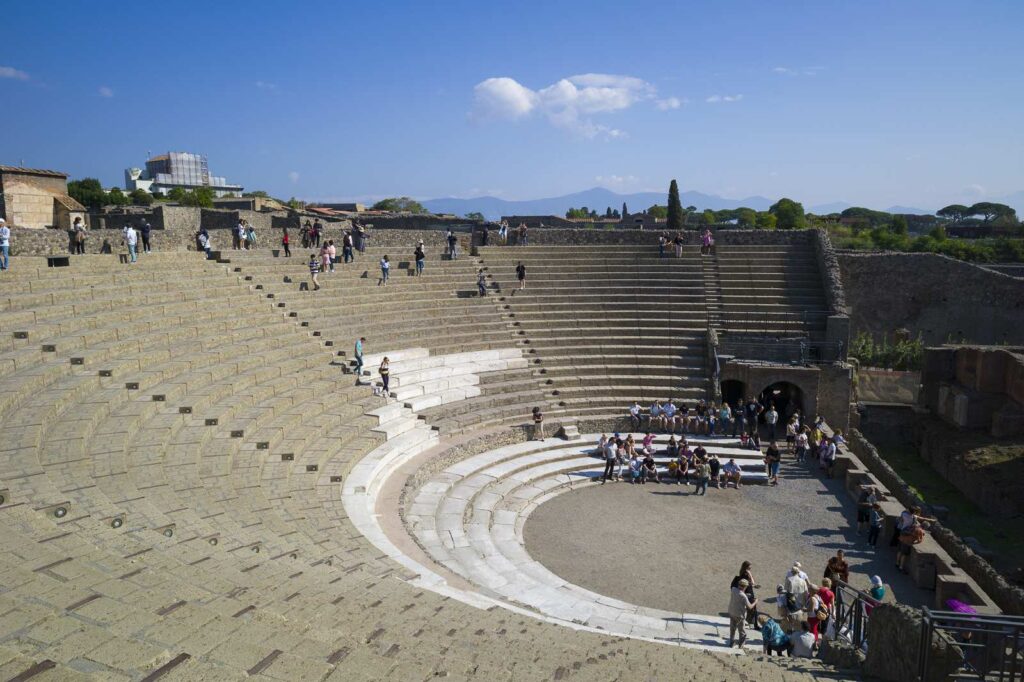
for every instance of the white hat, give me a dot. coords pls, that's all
(797, 565)
(876, 580)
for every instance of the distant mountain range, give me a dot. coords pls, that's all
(599, 198)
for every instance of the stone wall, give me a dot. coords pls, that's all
(30, 242)
(29, 199)
(416, 222)
(937, 297)
(1008, 597)
(894, 638)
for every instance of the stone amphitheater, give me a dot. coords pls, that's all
(196, 486)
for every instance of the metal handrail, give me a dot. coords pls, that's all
(989, 647)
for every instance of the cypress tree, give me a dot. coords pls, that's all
(675, 208)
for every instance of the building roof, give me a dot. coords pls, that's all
(32, 171)
(69, 203)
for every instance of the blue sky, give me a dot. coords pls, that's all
(874, 103)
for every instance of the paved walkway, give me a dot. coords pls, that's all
(662, 547)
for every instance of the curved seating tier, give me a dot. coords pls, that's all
(176, 452)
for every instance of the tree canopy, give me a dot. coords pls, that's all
(140, 197)
(766, 220)
(674, 214)
(116, 197)
(746, 217)
(475, 215)
(789, 214)
(88, 192)
(954, 212)
(399, 205)
(659, 212)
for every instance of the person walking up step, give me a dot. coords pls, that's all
(521, 275)
(314, 270)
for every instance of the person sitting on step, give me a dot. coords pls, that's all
(635, 470)
(650, 469)
(731, 472)
(635, 415)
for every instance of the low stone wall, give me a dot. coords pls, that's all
(31, 242)
(1008, 597)
(831, 275)
(932, 295)
(887, 386)
(894, 637)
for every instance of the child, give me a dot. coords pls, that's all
(314, 268)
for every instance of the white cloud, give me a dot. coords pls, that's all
(11, 72)
(264, 85)
(568, 104)
(294, 177)
(616, 180)
(801, 71)
(975, 191)
(105, 91)
(715, 99)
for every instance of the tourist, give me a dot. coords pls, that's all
(773, 637)
(332, 253)
(731, 472)
(630, 445)
(146, 231)
(792, 426)
(237, 234)
(877, 518)
(635, 470)
(655, 418)
(739, 419)
(503, 233)
(703, 476)
(802, 440)
(828, 600)
(837, 568)
(706, 242)
(204, 241)
(250, 236)
(131, 240)
(739, 606)
(538, 424)
(453, 245)
(285, 244)
(796, 587)
(865, 501)
(668, 413)
(420, 257)
(5, 245)
(347, 247)
(78, 237)
(385, 375)
(325, 258)
(817, 613)
(877, 590)
(364, 237)
(650, 469)
(304, 234)
(318, 229)
(672, 449)
(714, 467)
(745, 574)
(359, 358)
(107, 249)
(677, 241)
(771, 418)
(724, 418)
(635, 415)
(314, 269)
(481, 282)
(522, 234)
(803, 643)
(647, 445)
(911, 535)
(772, 458)
(607, 451)
(385, 270)
(521, 275)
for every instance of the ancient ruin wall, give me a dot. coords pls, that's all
(937, 297)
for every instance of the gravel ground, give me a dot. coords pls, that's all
(660, 546)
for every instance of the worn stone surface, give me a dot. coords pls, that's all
(894, 635)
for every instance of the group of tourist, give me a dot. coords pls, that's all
(243, 236)
(707, 242)
(800, 614)
(685, 466)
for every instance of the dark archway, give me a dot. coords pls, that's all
(733, 391)
(787, 397)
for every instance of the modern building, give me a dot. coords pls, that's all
(31, 197)
(177, 169)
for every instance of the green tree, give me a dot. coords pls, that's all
(177, 194)
(691, 209)
(116, 197)
(766, 220)
(659, 212)
(88, 192)
(899, 224)
(990, 211)
(789, 214)
(476, 215)
(140, 197)
(577, 213)
(399, 205)
(675, 208)
(746, 217)
(295, 204)
(256, 194)
(954, 212)
(709, 217)
(625, 211)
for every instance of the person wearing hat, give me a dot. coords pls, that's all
(877, 590)
(5, 245)
(740, 605)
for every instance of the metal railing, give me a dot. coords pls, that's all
(852, 608)
(800, 351)
(986, 647)
(772, 322)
